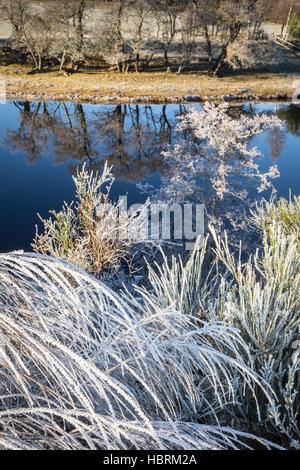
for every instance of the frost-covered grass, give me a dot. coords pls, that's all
(284, 214)
(260, 298)
(83, 368)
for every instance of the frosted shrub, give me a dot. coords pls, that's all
(83, 368)
(220, 147)
(262, 301)
(88, 232)
(213, 162)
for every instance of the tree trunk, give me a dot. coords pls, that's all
(79, 30)
(234, 32)
(119, 26)
(180, 68)
(27, 44)
(166, 58)
(208, 48)
(249, 30)
(137, 62)
(34, 60)
(220, 61)
(62, 61)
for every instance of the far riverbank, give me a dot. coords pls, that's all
(161, 87)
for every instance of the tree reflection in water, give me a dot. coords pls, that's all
(291, 116)
(129, 137)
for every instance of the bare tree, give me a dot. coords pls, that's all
(37, 37)
(31, 32)
(141, 35)
(118, 12)
(61, 16)
(233, 16)
(67, 20)
(166, 14)
(131, 32)
(107, 42)
(17, 14)
(190, 30)
(109, 38)
(246, 54)
(206, 13)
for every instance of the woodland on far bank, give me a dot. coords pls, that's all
(216, 37)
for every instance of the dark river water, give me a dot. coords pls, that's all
(42, 144)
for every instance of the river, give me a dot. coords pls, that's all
(42, 145)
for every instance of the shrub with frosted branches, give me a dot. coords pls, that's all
(213, 161)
